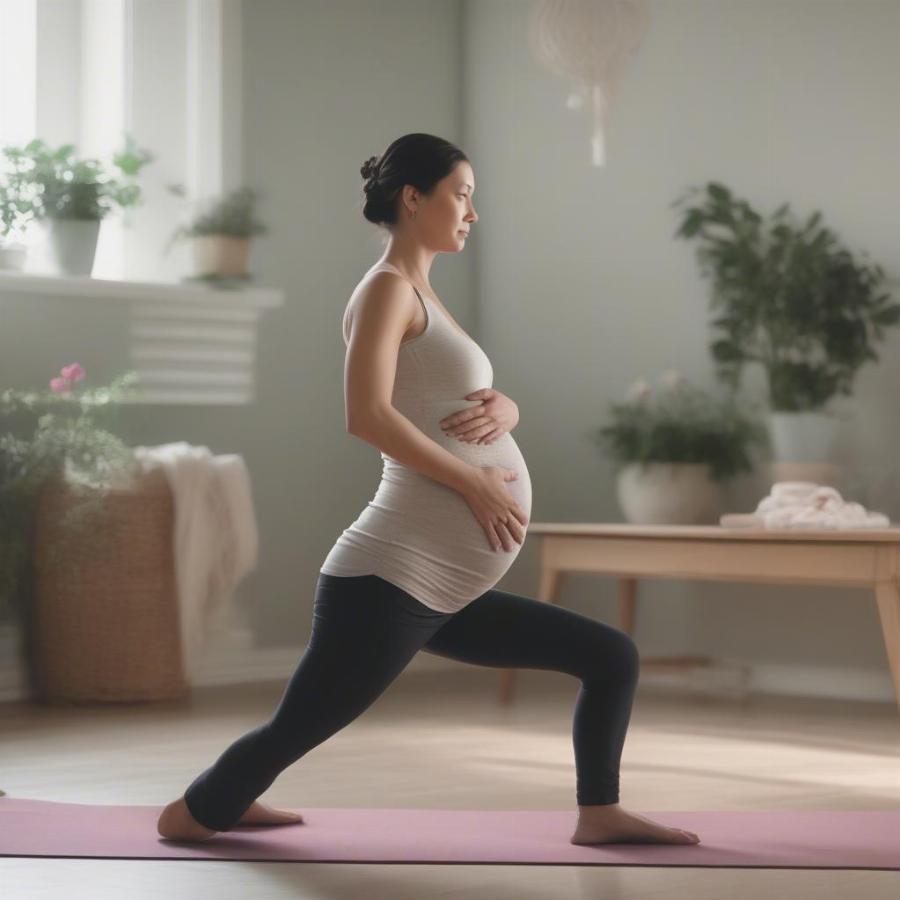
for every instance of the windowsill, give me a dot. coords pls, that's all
(190, 345)
(158, 291)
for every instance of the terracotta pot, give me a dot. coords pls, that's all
(221, 254)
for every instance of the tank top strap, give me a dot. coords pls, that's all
(390, 267)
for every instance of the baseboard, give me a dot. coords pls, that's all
(232, 659)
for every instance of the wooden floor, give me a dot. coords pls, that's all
(439, 740)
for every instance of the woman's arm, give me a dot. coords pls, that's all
(392, 433)
(382, 312)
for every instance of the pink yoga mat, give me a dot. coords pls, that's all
(782, 839)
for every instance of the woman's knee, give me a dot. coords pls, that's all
(616, 652)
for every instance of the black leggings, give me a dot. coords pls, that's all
(366, 630)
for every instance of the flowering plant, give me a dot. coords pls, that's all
(681, 424)
(67, 443)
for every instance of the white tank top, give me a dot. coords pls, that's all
(418, 533)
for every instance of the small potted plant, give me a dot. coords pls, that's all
(675, 447)
(74, 195)
(17, 211)
(791, 299)
(221, 235)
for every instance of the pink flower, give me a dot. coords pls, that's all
(73, 372)
(60, 385)
(639, 391)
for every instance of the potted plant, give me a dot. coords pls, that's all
(221, 235)
(676, 446)
(68, 449)
(74, 195)
(17, 211)
(791, 299)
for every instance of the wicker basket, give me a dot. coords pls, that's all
(105, 616)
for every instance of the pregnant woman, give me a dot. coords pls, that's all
(416, 570)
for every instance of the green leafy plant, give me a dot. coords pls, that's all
(680, 423)
(67, 443)
(790, 298)
(42, 183)
(18, 207)
(231, 215)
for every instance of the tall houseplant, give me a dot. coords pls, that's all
(791, 298)
(73, 194)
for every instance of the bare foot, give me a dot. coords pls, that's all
(177, 824)
(260, 814)
(610, 824)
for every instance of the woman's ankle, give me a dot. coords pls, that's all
(598, 810)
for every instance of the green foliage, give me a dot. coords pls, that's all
(683, 424)
(230, 215)
(41, 183)
(788, 297)
(67, 443)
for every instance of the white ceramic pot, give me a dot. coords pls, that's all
(669, 494)
(806, 437)
(12, 257)
(221, 254)
(73, 245)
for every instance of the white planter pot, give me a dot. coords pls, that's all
(73, 245)
(221, 254)
(12, 257)
(802, 436)
(669, 494)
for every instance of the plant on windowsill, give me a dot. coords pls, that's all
(675, 447)
(73, 194)
(17, 211)
(221, 237)
(791, 299)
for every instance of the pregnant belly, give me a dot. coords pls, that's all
(434, 520)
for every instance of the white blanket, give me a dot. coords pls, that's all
(806, 505)
(215, 535)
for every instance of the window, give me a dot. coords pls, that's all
(18, 70)
(89, 72)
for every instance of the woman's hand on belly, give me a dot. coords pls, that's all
(497, 511)
(496, 415)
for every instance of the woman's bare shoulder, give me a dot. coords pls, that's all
(380, 291)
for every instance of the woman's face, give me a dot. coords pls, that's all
(445, 217)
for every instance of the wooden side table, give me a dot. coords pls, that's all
(862, 558)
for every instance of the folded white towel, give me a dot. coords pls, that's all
(215, 535)
(806, 505)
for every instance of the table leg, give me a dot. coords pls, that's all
(627, 604)
(550, 590)
(627, 615)
(887, 595)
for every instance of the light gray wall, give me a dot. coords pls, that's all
(326, 86)
(578, 270)
(572, 282)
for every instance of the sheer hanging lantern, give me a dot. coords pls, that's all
(589, 41)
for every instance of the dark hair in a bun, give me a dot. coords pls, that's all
(417, 159)
(369, 168)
